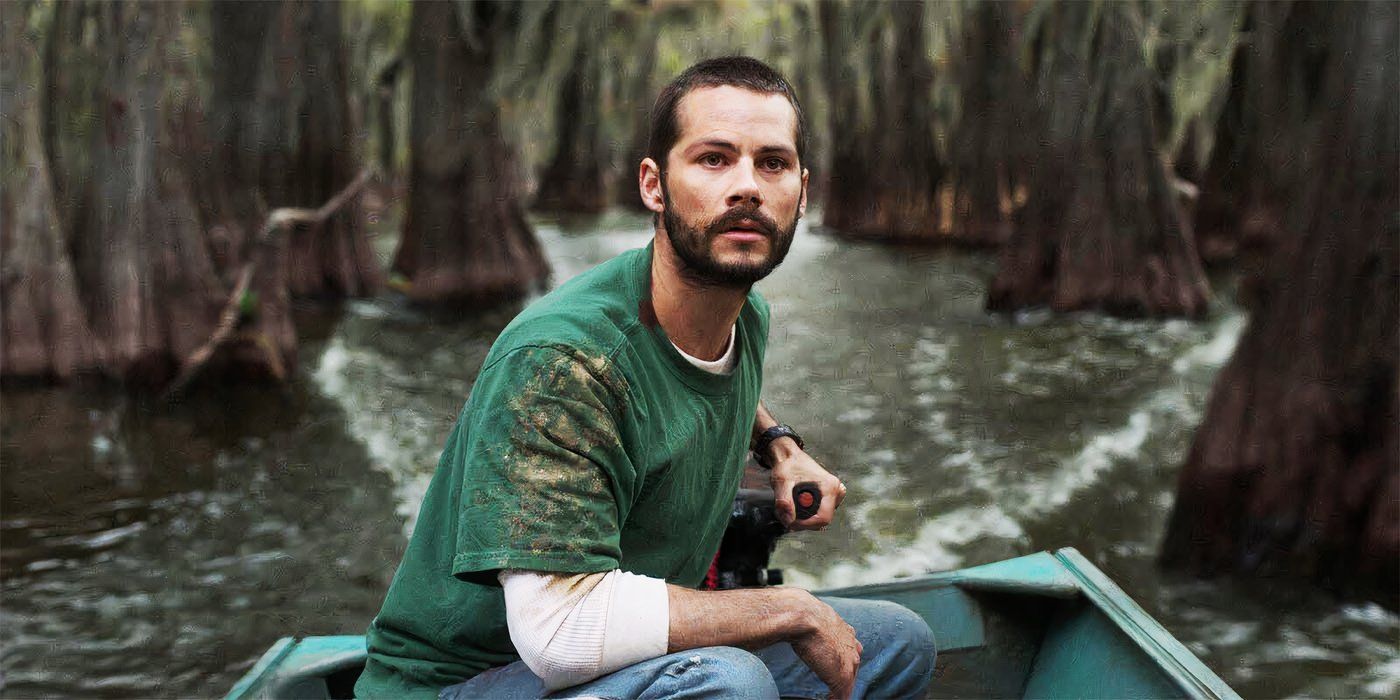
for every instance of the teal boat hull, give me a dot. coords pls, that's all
(1047, 625)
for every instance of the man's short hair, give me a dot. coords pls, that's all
(735, 71)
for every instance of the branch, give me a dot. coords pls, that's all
(278, 220)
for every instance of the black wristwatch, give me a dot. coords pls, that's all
(760, 446)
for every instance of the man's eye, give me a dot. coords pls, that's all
(713, 160)
(775, 164)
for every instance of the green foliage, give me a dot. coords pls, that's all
(376, 32)
(248, 305)
(1191, 45)
(1188, 46)
(533, 59)
(540, 47)
(381, 23)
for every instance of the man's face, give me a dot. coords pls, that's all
(733, 188)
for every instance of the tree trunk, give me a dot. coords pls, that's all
(1270, 105)
(44, 332)
(885, 168)
(911, 169)
(283, 123)
(465, 239)
(1102, 228)
(575, 180)
(992, 89)
(847, 171)
(144, 267)
(806, 57)
(1294, 471)
(640, 94)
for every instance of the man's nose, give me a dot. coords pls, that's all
(744, 187)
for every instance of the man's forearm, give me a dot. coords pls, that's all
(748, 619)
(755, 618)
(762, 421)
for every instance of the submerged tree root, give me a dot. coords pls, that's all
(236, 308)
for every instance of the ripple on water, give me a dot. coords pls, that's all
(1086, 467)
(936, 546)
(1007, 436)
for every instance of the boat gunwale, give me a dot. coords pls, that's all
(269, 662)
(1177, 661)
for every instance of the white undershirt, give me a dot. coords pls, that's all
(725, 363)
(572, 628)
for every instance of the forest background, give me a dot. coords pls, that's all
(254, 252)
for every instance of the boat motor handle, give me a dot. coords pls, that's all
(806, 499)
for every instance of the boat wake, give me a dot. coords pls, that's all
(1002, 499)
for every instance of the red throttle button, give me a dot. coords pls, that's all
(807, 496)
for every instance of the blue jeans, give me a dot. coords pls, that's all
(897, 662)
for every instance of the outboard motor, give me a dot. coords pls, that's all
(752, 535)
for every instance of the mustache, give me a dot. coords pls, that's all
(735, 216)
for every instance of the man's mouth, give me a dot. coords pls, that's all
(746, 230)
(744, 235)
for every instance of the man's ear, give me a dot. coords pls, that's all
(649, 183)
(802, 203)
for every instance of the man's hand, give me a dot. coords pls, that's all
(753, 618)
(830, 649)
(792, 466)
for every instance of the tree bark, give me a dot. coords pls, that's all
(993, 89)
(282, 122)
(846, 170)
(575, 179)
(144, 267)
(1102, 228)
(1270, 105)
(885, 168)
(1294, 472)
(44, 332)
(465, 238)
(639, 94)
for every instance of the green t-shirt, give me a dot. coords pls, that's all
(588, 444)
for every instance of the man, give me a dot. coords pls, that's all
(586, 486)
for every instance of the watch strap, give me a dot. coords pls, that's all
(766, 438)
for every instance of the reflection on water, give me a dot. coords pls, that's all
(157, 553)
(148, 554)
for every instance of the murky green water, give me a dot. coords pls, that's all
(150, 553)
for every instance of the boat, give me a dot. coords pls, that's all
(1046, 625)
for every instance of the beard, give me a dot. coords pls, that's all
(693, 245)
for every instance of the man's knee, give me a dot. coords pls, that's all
(899, 646)
(903, 663)
(911, 637)
(716, 672)
(885, 625)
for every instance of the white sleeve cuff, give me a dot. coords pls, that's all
(572, 628)
(639, 622)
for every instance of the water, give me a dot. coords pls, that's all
(158, 553)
